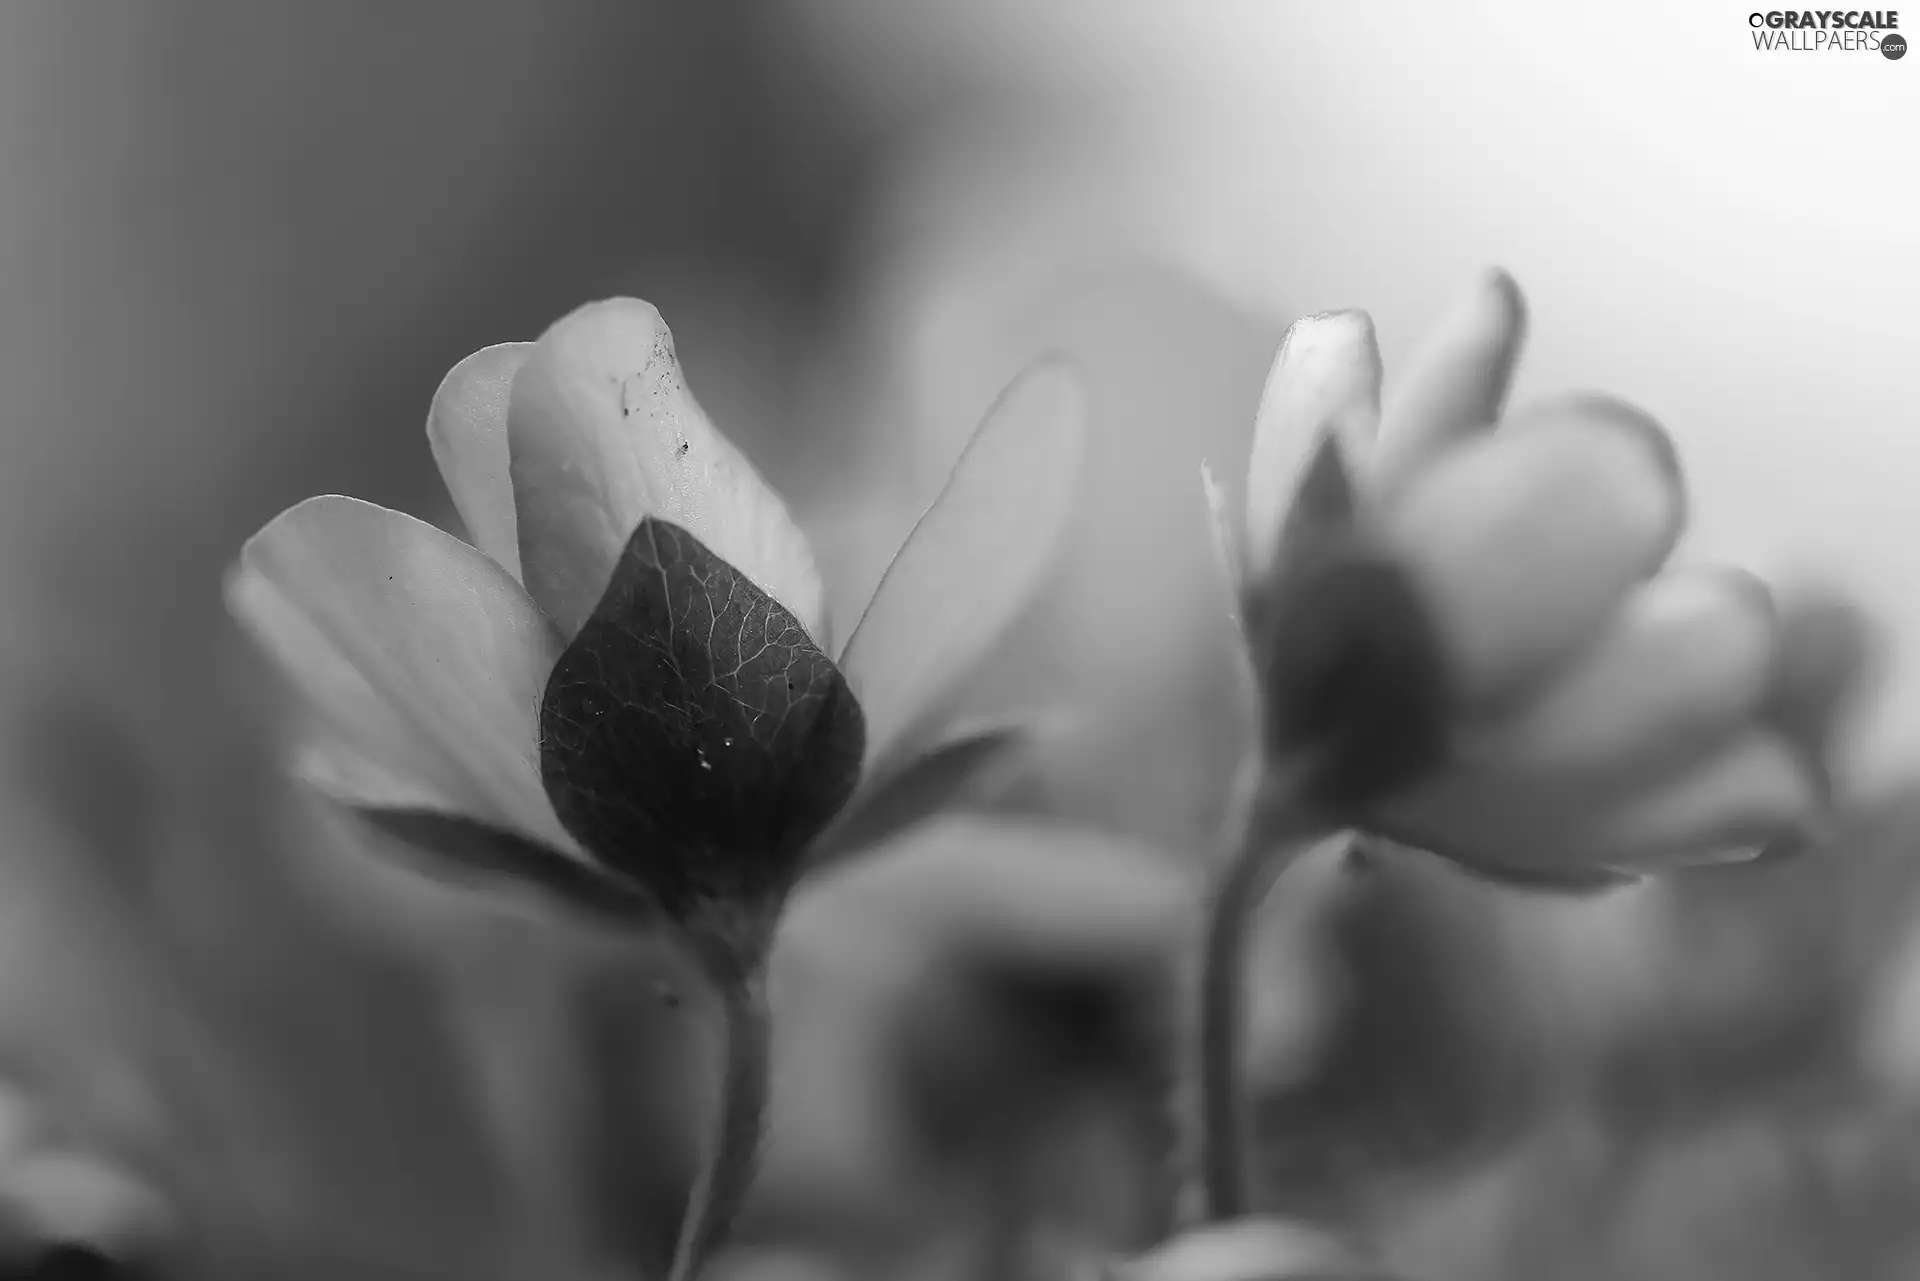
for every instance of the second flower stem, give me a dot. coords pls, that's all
(1264, 833)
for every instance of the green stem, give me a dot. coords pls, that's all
(744, 1085)
(1264, 834)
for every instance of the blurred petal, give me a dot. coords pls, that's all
(1826, 649)
(1251, 1250)
(978, 555)
(460, 851)
(1499, 818)
(605, 433)
(1226, 547)
(1729, 807)
(1455, 382)
(1325, 382)
(467, 430)
(968, 767)
(1748, 792)
(1525, 539)
(412, 648)
(1685, 662)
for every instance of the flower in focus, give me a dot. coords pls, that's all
(621, 697)
(625, 680)
(1466, 634)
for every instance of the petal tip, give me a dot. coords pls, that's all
(1345, 329)
(622, 309)
(614, 324)
(1051, 390)
(1614, 413)
(1628, 416)
(1749, 588)
(1507, 296)
(299, 511)
(1060, 376)
(493, 361)
(1496, 311)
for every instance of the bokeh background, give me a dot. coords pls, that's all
(241, 242)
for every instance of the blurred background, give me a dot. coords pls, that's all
(240, 243)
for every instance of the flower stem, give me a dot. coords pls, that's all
(1264, 833)
(744, 1085)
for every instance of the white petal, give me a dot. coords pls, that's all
(467, 431)
(603, 434)
(1827, 650)
(978, 555)
(1456, 381)
(1751, 793)
(1747, 792)
(1525, 540)
(413, 651)
(1686, 660)
(1325, 380)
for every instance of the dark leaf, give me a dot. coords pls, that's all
(1353, 675)
(1325, 500)
(692, 736)
(451, 847)
(961, 770)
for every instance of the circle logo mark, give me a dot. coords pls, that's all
(1894, 47)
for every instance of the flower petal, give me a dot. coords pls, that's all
(412, 648)
(1826, 651)
(1325, 380)
(967, 768)
(604, 433)
(1686, 660)
(1737, 798)
(467, 431)
(1455, 382)
(1226, 548)
(1525, 539)
(976, 558)
(456, 850)
(1731, 805)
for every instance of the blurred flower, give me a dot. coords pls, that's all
(1462, 626)
(628, 670)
